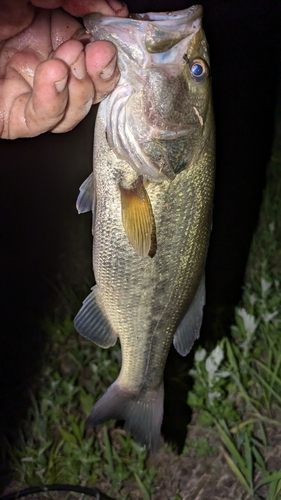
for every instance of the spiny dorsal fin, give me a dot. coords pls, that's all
(138, 219)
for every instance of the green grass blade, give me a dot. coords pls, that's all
(267, 420)
(239, 427)
(142, 488)
(108, 452)
(273, 374)
(277, 490)
(232, 449)
(251, 401)
(265, 384)
(68, 437)
(275, 378)
(249, 463)
(237, 472)
(259, 459)
(263, 434)
(269, 478)
(231, 358)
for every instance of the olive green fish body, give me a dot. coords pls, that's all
(151, 195)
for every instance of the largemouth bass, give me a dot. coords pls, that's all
(151, 194)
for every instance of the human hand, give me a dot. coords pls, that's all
(49, 78)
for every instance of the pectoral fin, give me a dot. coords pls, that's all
(138, 219)
(189, 328)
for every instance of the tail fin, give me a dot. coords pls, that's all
(142, 412)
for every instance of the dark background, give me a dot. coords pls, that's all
(43, 237)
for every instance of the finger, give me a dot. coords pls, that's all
(15, 16)
(36, 39)
(121, 9)
(90, 79)
(47, 4)
(79, 8)
(101, 63)
(80, 86)
(63, 27)
(39, 110)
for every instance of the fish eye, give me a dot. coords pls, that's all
(199, 70)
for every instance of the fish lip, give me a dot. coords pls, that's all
(168, 17)
(177, 15)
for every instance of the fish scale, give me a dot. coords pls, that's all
(151, 218)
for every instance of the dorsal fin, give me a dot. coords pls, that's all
(85, 200)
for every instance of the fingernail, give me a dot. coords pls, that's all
(109, 70)
(82, 36)
(122, 6)
(60, 86)
(79, 67)
(116, 5)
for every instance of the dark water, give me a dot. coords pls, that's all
(41, 232)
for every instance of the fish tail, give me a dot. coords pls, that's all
(142, 412)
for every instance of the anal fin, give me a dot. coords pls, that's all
(189, 328)
(91, 321)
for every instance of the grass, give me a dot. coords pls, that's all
(236, 395)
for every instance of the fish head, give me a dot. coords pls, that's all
(160, 114)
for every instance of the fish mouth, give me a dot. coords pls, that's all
(170, 16)
(156, 32)
(163, 29)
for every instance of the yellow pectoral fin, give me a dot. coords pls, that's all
(138, 219)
